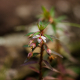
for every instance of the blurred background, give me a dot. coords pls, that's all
(17, 18)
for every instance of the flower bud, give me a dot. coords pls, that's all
(33, 45)
(31, 41)
(30, 54)
(49, 51)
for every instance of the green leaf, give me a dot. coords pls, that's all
(59, 19)
(36, 33)
(52, 13)
(35, 54)
(73, 24)
(29, 33)
(42, 25)
(48, 37)
(54, 28)
(44, 9)
(26, 46)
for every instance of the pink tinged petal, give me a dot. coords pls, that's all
(31, 41)
(33, 45)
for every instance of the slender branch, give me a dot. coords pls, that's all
(40, 62)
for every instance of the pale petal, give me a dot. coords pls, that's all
(34, 36)
(37, 35)
(44, 40)
(43, 37)
(39, 40)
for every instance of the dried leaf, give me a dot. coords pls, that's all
(34, 69)
(53, 52)
(29, 63)
(49, 66)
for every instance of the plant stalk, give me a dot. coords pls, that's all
(40, 63)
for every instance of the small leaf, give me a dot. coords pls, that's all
(29, 63)
(59, 19)
(52, 13)
(26, 46)
(73, 24)
(54, 37)
(49, 78)
(36, 33)
(42, 25)
(53, 52)
(65, 48)
(34, 69)
(48, 37)
(35, 54)
(49, 66)
(44, 9)
(29, 33)
(54, 28)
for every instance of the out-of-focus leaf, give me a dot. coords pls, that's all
(72, 24)
(36, 33)
(42, 25)
(59, 19)
(65, 48)
(30, 78)
(45, 46)
(61, 29)
(54, 28)
(35, 54)
(34, 69)
(52, 12)
(29, 63)
(29, 33)
(49, 78)
(43, 8)
(54, 37)
(76, 69)
(26, 60)
(48, 37)
(53, 52)
(26, 46)
(49, 66)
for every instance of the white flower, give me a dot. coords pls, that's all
(40, 38)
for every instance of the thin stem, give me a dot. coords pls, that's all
(40, 62)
